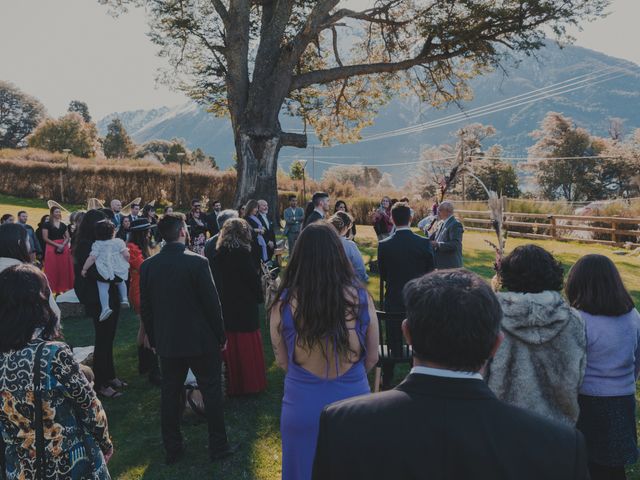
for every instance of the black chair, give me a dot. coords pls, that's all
(392, 346)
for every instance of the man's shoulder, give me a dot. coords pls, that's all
(378, 404)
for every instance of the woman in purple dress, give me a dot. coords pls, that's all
(324, 332)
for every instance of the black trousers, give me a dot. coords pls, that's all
(103, 366)
(601, 472)
(208, 372)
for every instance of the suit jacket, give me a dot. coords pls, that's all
(293, 219)
(240, 289)
(402, 257)
(449, 250)
(269, 234)
(443, 429)
(179, 303)
(313, 217)
(211, 220)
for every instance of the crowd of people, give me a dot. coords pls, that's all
(533, 378)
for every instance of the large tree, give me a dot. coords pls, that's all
(20, 114)
(255, 59)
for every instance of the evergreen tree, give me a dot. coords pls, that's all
(117, 143)
(80, 107)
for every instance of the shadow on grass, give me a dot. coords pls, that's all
(134, 420)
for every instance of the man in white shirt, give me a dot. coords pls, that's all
(443, 421)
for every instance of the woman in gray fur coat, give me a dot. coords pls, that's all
(541, 363)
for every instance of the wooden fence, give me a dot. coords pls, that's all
(603, 230)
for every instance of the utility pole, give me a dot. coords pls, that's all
(313, 162)
(179, 199)
(304, 184)
(67, 151)
(464, 186)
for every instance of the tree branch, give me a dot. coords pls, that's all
(340, 73)
(222, 11)
(298, 140)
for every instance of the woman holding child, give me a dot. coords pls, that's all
(86, 287)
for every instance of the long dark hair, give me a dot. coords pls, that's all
(594, 286)
(320, 279)
(87, 231)
(14, 242)
(338, 203)
(308, 210)
(24, 307)
(250, 207)
(141, 239)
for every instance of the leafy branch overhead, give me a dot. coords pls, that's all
(335, 66)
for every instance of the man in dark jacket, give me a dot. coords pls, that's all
(181, 313)
(401, 257)
(320, 202)
(443, 422)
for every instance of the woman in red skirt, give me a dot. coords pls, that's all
(58, 264)
(240, 293)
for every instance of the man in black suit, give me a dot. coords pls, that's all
(320, 201)
(269, 234)
(135, 212)
(211, 218)
(443, 422)
(401, 257)
(181, 313)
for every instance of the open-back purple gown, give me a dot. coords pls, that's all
(305, 395)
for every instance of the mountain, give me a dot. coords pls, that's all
(590, 107)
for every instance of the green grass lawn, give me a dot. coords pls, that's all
(254, 421)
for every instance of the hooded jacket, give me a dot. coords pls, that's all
(541, 362)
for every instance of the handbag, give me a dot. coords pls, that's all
(39, 424)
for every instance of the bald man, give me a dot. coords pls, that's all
(447, 239)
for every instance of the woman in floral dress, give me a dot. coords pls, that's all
(76, 438)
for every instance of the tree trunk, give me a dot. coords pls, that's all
(257, 170)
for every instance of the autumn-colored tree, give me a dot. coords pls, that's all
(177, 153)
(69, 131)
(117, 143)
(257, 59)
(20, 114)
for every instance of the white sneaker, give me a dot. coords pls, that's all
(106, 313)
(125, 304)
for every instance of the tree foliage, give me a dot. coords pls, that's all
(69, 131)
(296, 171)
(199, 157)
(80, 107)
(335, 66)
(498, 176)
(117, 143)
(20, 114)
(358, 175)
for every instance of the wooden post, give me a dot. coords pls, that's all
(614, 235)
(554, 233)
(62, 187)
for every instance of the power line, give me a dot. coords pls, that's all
(533, 93)
(434, 160)
(559, 88)
(442, 123)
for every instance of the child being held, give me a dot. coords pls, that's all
(111, 257)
